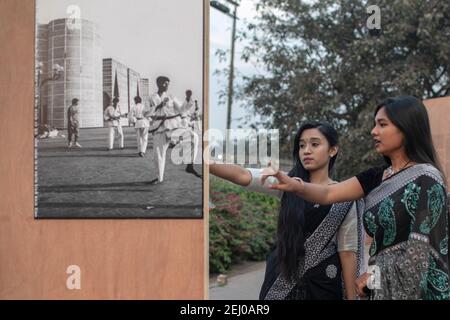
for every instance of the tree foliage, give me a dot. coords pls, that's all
(321, 62)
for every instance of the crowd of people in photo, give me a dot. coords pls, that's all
(165, 118)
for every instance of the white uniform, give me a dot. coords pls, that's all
(112, 118)
(139, 116)
(163, 130)
(196, 122)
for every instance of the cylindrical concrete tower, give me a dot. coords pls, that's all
(74, 45)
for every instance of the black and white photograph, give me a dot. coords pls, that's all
(119, 104)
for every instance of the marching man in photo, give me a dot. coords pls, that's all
(139, 116)
(112, 116)
(166, 112)
(73, 125)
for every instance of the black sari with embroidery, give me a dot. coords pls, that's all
(320, 269)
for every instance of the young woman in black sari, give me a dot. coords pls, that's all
(405, 202)
(317, 246)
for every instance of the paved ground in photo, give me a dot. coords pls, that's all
(244, 283)
(94, 182)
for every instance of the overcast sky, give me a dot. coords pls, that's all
(220, 38)
(153, 37)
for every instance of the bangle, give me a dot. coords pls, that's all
(298, 179)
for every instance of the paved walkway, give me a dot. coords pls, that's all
(244, 283)
(94, 182)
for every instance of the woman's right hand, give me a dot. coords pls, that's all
(285, 183)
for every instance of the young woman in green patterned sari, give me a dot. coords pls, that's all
(406, 210)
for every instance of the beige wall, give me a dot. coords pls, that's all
(439, 114)
(128, 259)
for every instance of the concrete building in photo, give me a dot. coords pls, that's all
(74, 45)
(129, 85)
(144, 87)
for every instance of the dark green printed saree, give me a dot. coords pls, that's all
(407, 217)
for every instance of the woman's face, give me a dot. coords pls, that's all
(315, 151)
(387, 137)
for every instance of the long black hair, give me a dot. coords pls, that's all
(410, 116)
(291, 219)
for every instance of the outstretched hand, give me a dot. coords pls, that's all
(284, 183)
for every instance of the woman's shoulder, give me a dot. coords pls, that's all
(425, 172)
(376, 170)
(371, 178)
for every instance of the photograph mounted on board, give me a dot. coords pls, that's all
(119, 106)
